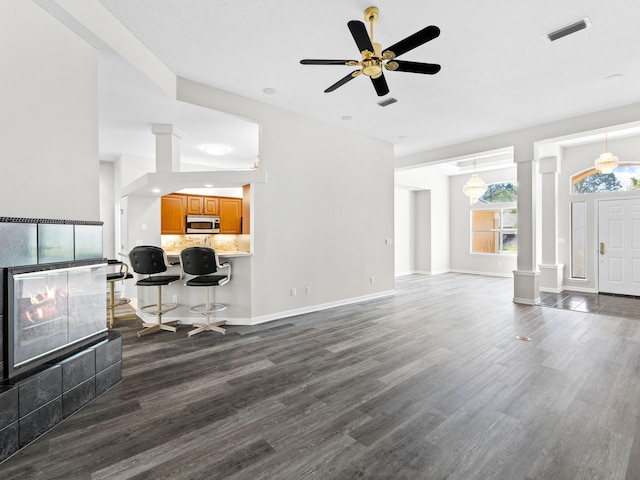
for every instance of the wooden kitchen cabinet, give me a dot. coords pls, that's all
(173, 210)
(210, 205)
(230, 215)
(175, 207)
(202, 205)
(195, 204)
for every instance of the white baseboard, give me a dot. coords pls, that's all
(183, 319)
(489, 274)
(552, 290)
(526, 301)
(313, 308)
(579, 289)
(421, 272)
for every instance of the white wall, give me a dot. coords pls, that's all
(404, 231)
(430, 219)
(108, 209)
(423, 223)
(325, 213)
(48, 117)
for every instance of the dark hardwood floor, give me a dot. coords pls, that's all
(430, 383)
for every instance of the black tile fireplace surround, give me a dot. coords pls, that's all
(29, 246)
(56, 354)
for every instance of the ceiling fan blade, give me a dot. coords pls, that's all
(417, 67)
(380, 84)
(360, 35)
(342, 81)
(308, 61)
(413, 41)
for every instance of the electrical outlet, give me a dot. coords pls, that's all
(308, 290)
(293, 292)
(175, 299)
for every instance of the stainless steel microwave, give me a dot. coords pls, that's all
(203, 224)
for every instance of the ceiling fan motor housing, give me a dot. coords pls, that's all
(374, 61)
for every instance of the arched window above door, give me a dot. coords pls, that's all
(625, 177)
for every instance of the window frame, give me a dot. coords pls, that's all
(500, 208)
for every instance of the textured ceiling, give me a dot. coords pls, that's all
(499, 73)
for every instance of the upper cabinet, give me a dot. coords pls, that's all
(202, 205)
(230, 215)
(173, 212)
(210, 205)
(194, 205)
(175, 207)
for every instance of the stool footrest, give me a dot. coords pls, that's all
(155, 309)
(118, 302)
(205, 309)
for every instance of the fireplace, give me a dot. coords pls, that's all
(53, 310)
(56, 355)
(53, 291)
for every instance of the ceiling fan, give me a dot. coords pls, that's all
(375, 60)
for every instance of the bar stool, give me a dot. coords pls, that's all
(203, 263)
(150, 260)
(120, 275)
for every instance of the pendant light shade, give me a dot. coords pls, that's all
(475, 186)
(606, 162)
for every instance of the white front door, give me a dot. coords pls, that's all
(619, 246)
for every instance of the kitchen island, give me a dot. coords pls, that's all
(234, 294)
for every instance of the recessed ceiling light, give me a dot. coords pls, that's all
(401, 137)
(208, 185)
(156, 190)
(347, 117)
(269, 91)
(216, 149)
(615, 76)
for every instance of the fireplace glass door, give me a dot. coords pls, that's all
(53, 309)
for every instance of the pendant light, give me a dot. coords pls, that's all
(606, 162)
(475, 186)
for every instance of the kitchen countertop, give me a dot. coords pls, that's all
(174, 257)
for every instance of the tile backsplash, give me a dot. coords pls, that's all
(174, 244)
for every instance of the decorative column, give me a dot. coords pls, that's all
(167, 147)
(526, 279)
(551, 273)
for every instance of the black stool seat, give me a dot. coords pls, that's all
(207, 280)
(158, 280)
(113, 277)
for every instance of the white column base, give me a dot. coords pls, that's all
(526, 287)
(551, 278)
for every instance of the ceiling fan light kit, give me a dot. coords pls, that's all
(375, 60)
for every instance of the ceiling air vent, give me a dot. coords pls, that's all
(386, 102)
(569, 29)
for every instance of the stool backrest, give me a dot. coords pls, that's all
(198, 261)
(148, 259)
